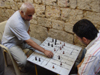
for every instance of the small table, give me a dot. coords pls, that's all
(65, 55)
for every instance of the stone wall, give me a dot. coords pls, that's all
(55, 18)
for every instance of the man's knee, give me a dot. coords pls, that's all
(23, 61)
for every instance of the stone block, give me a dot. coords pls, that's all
(9, 12)
(84, 4)
(65, 13)
(71, 15)
(69, 27)
(93, 17)
(14, 6)
(38, 1)
(7, 4)
(2, 12)
(63, 3)
(34, 19)
(73, 3)
(75, 15)
(95, 5)
(52, 11)
(38, 32)
(19, 5)
(39, 10)
(56, 24)
(44, 22)
(61, 35)
(50, 2)
(2, 4)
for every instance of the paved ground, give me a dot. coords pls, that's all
(9, 70)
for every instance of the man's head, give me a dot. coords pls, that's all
(27, 10)
(85, 30)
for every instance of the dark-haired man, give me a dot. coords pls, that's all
(90, 36)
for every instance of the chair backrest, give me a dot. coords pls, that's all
(2, 27)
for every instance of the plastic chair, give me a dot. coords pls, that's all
(5, 51)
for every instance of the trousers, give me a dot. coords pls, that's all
(1, 62)
(19, 55)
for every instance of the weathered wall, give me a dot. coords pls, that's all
(55, 18)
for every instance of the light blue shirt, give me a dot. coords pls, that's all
(15, 31)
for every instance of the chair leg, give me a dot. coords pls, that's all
(36, 70)
(15, 65)
(5, 58)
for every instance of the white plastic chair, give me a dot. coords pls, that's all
(5, 51)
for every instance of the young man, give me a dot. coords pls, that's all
(89, 35)
(16, 37)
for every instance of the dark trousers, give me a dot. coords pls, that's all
(1, 62)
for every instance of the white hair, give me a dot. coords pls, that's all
(25, 6)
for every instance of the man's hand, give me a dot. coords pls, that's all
(48, 53)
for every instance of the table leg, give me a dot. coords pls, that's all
(36, 70)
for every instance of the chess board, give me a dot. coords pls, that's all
(65, 55)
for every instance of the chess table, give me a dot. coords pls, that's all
(65, 55)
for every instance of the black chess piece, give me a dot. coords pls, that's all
(48, 44)
(52, 40)
(51, 45)
(39, 59)
(58, 57)
(36, 58)
(55, 43)
(55, 40)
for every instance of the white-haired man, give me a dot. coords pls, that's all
(16, 36)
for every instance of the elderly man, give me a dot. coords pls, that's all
(16, 36)
(89, 35)
(1, 62)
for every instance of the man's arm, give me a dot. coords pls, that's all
(36, 46)
(88, 66)
(79, 65)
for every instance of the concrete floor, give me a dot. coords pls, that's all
(9, 70)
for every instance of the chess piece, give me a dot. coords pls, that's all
(48, 44)
(63, 52)
(58, 57)
(39, 59)
(60, 48)
(36, 58)
(55, 43)
(53, 66)
(51, 45)
(64, 44)
(54, 49)
(52, 40)
(61, 64)
(55, 40)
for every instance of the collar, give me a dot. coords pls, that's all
(93, 41)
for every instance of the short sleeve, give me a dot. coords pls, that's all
(87, 67)
(20, 31)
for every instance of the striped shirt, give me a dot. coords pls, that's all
(91, 64)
